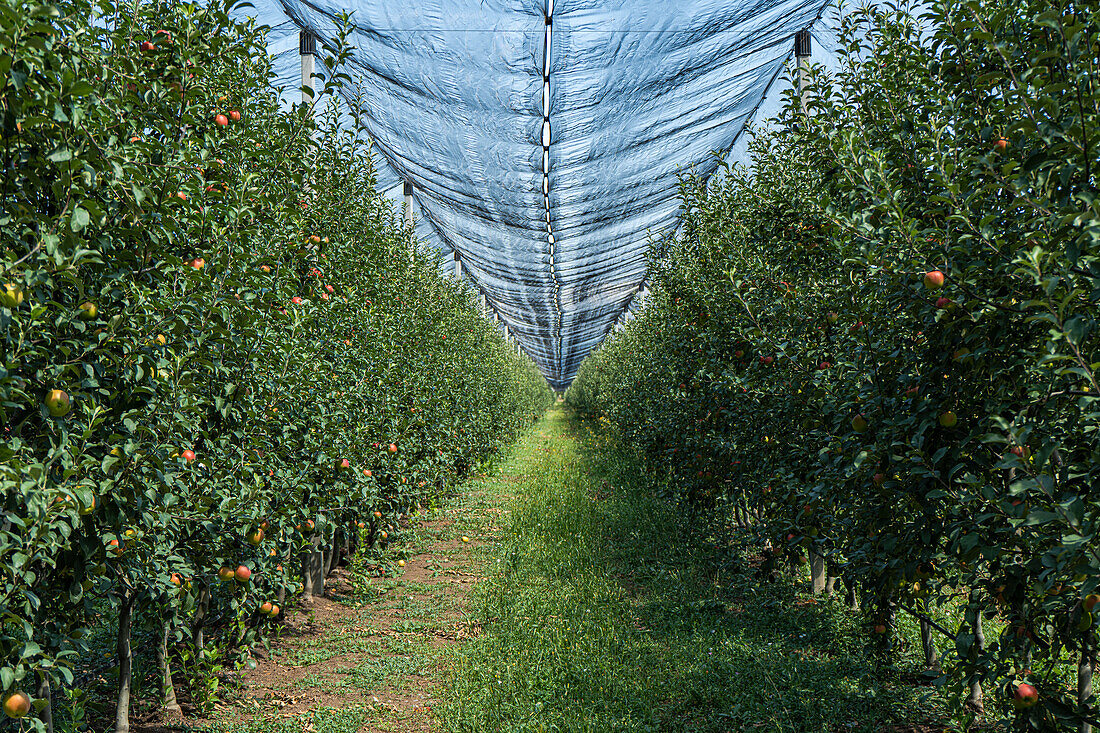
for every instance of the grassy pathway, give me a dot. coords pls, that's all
(605, 611)
(595, 607)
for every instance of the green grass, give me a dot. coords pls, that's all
(604, 610)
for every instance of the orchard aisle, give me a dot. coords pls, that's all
(580, 603)
(603, 608)
(373, 655)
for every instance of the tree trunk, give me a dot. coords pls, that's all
(853, 597)
(44, 693)
(889, 612)
(974, 700)
(1084, 681)
(171, 708)
(931, 658)
(125, 663)
(198, 635)
(313, 579)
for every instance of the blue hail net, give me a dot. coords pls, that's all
(544, 140)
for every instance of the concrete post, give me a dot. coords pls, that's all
(458, 267)
(408, 204)
(817, 573)
(307, 49)
(802, 58)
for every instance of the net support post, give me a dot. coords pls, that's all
(408, 204)
(802, 48)
(817, 573)
(307, 51)
(458, 266)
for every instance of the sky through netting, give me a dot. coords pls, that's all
(543, 139)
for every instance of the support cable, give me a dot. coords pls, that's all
(556, 333)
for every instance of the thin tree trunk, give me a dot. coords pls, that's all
(125, 663)
(198, 635)
(931, 658)
(888, 611)
(313, 578)
(44, 693)
(1084, 681)
(164, 667)
(853, 597)
(974, 700)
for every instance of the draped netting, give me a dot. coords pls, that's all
(544, 139)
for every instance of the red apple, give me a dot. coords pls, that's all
(345, 463)
(221, 120)
(933, 280)
(265, 608)
(225, 574)
(255, 537)
(1089, 602)
(880, 628)
(944, 302)
(235, 116)
(148, 46)
(242, 574)
(1001, 144)
(1025, 696)
(198, 263)
(188, 455)
(296, 300)
(392, 448)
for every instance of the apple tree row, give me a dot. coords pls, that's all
(878, 343)
(220, 352)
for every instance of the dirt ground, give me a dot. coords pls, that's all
(381, 648)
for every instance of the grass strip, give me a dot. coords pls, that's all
(606, 609)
